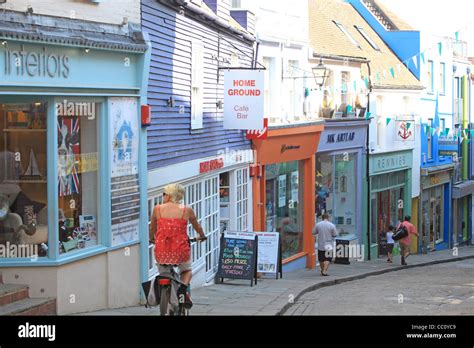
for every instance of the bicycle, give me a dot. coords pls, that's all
(170, 284)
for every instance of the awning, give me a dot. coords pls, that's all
(19, 26)
(463, 189)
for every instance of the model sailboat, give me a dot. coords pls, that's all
(32, 172)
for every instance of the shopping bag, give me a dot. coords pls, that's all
(151, 289)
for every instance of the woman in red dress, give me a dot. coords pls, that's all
(168, 230)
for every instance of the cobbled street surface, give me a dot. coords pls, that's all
(443, 289)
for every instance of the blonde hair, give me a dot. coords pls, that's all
(175, 192)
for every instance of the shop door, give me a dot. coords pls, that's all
(383, 220)
(211, 225)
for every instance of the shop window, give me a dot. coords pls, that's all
(78, 179)
(336, 190)
(23, 181)
(284, 204)
(194, 199)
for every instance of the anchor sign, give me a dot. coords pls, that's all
(404, 132)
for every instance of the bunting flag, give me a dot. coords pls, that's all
(367, 115)
(392, 71)
(440, 48)
(349, 108)
(408, 125)
(415, 61)
(387, 121)
(355, 86)
(447, 132)
(366, 80)
(427, 129)
(384, 74)
(423, 57)
(378, 77)
(456, 34)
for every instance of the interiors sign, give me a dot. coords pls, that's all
(243, 99)
(36, 64)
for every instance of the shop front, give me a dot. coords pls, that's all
(340, 177)
(390, 195)
(219, 190)
(71, 174)
(283, 189)
(435, 209)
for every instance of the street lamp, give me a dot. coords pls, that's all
(320, 73)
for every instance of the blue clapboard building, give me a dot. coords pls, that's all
(192, 44)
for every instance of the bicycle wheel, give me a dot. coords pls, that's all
(164, 300)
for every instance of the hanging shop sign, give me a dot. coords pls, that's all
(405, 131)
(243, 99)
(123, 149)
(258, 133)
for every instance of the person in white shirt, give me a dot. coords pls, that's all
(390, 243)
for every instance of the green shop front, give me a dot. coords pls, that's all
(73, 165)
(390, 195)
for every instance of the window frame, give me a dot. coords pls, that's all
(367, 38)
(348, 35)
(442, 77)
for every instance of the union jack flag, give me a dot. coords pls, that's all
(69, 150)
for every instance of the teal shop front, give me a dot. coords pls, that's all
(390, 195)
(73, 165)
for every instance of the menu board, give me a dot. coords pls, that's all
(269, 255)
(238, 256)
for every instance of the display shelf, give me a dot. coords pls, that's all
(24, 130)
(25, 181)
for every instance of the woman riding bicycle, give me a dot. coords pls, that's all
(168, 230)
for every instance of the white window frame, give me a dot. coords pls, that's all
(197, 84)
(348, 35)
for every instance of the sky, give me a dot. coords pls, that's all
(439, 17)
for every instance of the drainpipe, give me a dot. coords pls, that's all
(367, 164)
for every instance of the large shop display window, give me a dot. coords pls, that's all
(336, 190)
(23, 184)
(284, 204)
(77, 178)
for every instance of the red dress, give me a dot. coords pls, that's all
(171, 240)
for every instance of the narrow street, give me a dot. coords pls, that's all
(444, 289)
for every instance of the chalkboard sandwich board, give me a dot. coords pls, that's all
(238, 256)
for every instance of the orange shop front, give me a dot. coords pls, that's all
(284, 189)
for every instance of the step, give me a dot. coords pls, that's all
(30, 306)
(10, 293)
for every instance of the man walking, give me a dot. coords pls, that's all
(326, 232)
(406, 242)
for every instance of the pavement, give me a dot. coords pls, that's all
(276, 296)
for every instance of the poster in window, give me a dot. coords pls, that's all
(281, 191)
(294, 186)
(125, 192)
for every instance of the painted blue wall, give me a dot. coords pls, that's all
(405, 44)
(170, 139)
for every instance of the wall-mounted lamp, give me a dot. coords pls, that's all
(29, 10)
(4, 43)
(320, 73)
(170, 102)
(219, 104)
(87, 50)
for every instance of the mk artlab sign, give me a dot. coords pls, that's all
(243, 99)
(334, 138)
(36, 63)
